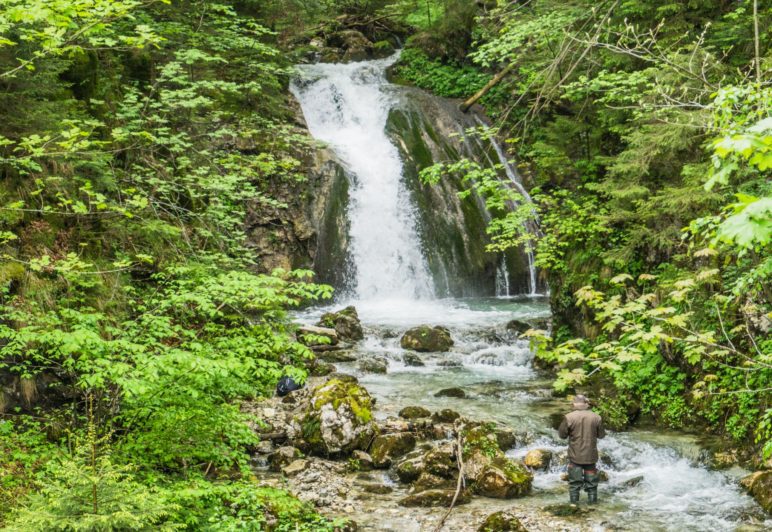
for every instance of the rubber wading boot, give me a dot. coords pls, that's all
(591, 479)
(575, 483)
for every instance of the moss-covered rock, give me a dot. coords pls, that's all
(345, 322)
(445, 415)
(387, 447)
(759, 486)
(337, 418)
(414, 412)
(412, 359)
(456, 392)
(373, 364)
(503, 479)
(427, 481)
(502, 522)
(426, 339)
(283, 456)
(409, 470)
(433, 498)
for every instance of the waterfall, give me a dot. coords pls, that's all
(502, 279)
(346, 106)
(514, 178)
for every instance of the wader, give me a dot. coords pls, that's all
(583, 476)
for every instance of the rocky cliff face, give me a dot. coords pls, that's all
(312, 231)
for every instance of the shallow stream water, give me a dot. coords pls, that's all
(677, 492)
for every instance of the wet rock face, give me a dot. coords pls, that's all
(345, 322)
(759, 486)
(427, 339)
(336, 418)
(386, 448)
(502, 522)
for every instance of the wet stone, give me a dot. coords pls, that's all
(502, 522)
(414, 412)
(451, 392)
(412, 359)
(434, 498)
(538, 459)
(445, 415)
(386, 448)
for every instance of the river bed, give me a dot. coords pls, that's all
(676, 492)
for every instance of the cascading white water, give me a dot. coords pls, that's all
(345, 105)
(514, 178)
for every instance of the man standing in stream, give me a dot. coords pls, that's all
(582, 427)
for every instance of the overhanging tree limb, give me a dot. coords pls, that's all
(488, 86)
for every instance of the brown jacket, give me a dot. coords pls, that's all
(583, 427)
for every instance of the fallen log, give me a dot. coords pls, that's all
(488, 86)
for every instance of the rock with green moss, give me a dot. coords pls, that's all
(382, 49)
(434, 498)
(428, 481)
(414, 412)
(759, 486)
(502, 522)
(427, 339)
(503, 479)
(345, 322)
(445, 415)
(387, 447)
(336, 419)
(410, 469)
(283, 456)
(456, 392)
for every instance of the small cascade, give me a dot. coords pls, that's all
(502, 279)
(514, 178)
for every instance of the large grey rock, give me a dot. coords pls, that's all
(345, 322)
(425, 338)
(335, 418)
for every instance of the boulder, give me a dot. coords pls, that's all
(433, 498)
(503, 479)
(313, 336)
(414, 412)
(336, 418)
(518, 326)
(759, 486)
(295, 467)
(505, 438)
(538, 458)
(409, 470)
(345, 322)
(441, 461)
(387, 447)
(373, 364)
(632, 482)
(412, 359)
(377, 489)
(283, 456)
(426, 339)
(451, 392)
(360, 461)
(445, 415)
(502, 522)
(427, 481)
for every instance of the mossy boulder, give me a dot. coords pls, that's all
(412, 359)
(337, 418)
(759, 486)
(445, 415)
(414, 412)
(441, 461)
(427, 339)
(506, 438)
(410, 469)
(345, 322)
(387, 447)
(458, 393)
(503, 479)
(435, 498)
(382, 49)
(502, 522)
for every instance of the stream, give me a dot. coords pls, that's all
(347, 107)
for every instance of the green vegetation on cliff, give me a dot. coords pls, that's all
(643, 132)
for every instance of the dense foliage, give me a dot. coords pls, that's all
(643, 129)
(134, 135)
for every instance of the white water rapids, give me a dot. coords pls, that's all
(346, 107)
